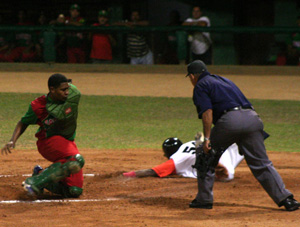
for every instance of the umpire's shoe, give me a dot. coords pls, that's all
(290, 204)
(196, 204)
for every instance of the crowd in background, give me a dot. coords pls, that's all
(71, 47)
(97, 47)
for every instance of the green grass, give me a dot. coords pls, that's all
(144, 122)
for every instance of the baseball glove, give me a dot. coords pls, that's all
(205, 162)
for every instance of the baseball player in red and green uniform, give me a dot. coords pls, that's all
(56, 114)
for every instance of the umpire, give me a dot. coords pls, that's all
(220, 102)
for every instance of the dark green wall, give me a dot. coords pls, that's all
(223, 43)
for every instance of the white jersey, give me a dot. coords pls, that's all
(185, 157)
(201, 40)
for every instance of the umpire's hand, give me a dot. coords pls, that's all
(7, 148)
(206, 146)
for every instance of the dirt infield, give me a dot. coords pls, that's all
(111, 200)
(147, 201)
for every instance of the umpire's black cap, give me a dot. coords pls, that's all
(196, 66)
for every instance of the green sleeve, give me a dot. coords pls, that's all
(30, 117)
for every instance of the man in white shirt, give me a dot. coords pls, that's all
(201, 44)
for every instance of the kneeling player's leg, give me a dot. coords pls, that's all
(53, 174)
(64, 190)
(70, 187)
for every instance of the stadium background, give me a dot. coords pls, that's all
(114, 201)
(243, 32)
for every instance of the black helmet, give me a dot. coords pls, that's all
(170, 146)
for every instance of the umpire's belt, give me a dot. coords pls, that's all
(238, 108)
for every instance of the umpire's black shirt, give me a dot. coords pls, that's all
(217, 93)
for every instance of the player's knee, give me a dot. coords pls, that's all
(75, 192)
(74, 165)
(80, 160)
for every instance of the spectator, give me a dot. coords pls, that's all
(101, 51)
(60, 41)
(75, 40)
(200, 41)
(170, 47)
(25, 42)
(137, 48)
(41, 21)
(6, 41)
(293, 56)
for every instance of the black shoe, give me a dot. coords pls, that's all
(290, 204)
(195, 204)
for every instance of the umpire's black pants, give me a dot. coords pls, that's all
(245, 128)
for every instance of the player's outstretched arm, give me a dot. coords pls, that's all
(141, 173)
(20, 128)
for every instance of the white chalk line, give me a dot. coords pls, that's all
(29, 175)
(57, 200)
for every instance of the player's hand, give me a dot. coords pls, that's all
(221, 172)
(129, 174)
(8, 147)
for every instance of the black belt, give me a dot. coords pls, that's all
(238, 108)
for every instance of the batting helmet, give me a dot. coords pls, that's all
(170, 146)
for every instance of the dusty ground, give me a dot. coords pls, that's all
(111, 200)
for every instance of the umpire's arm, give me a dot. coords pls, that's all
(207, 118)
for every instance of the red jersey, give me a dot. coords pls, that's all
(101, 47)
(165, 169)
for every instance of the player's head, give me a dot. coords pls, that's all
(74, 10)
(170, 146)
(58, 86)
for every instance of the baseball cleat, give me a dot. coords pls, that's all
(31, 189)
(28, 188)
(36, 170)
